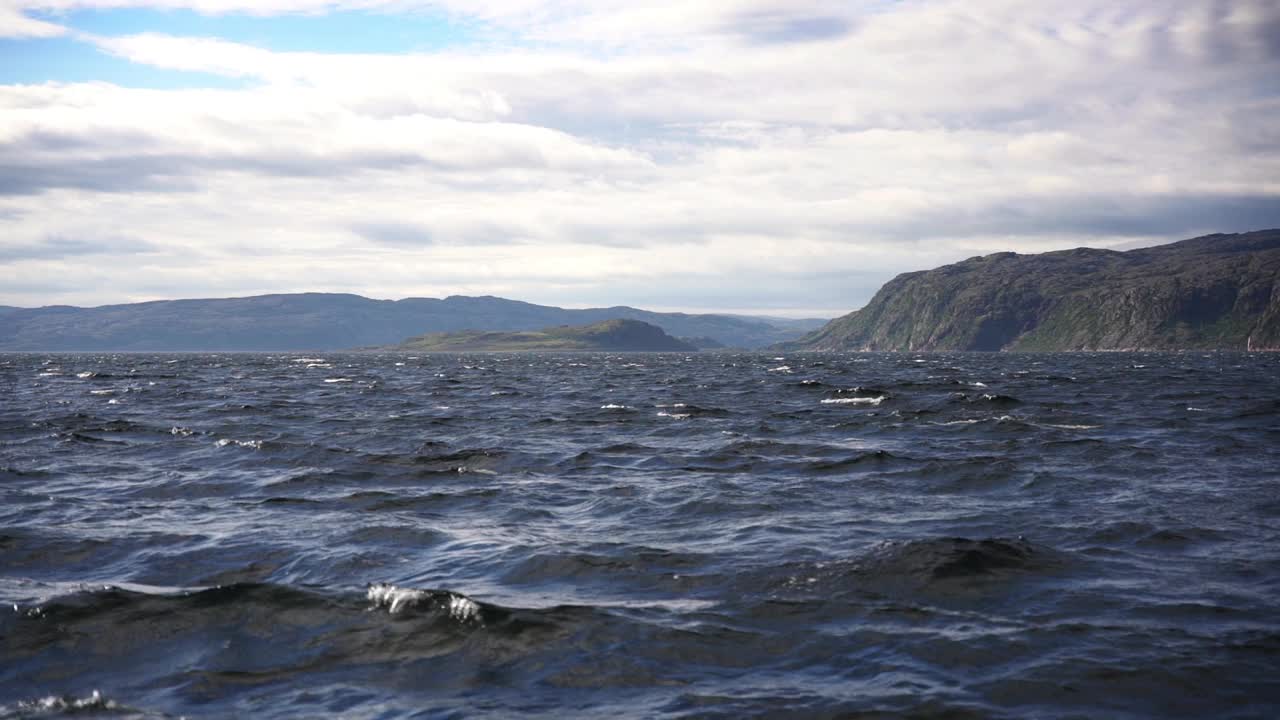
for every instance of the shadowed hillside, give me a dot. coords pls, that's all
(324, 321)
(610, 335)
(1216, 291)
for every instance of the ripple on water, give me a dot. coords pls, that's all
(732, 535)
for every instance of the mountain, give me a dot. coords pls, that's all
(1216, 291)
(610, 335)
(802, 325)
(323, 321)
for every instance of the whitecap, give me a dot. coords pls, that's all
(54, 703)
(463, 608)
(614, 406)
(337, 380)
(781, 369)
(86, 374)
(255, 444)
(102, 392)
(674, 416)
(308, 360)
(855, 400)
(181, 431)
(395, 599)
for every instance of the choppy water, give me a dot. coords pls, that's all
(951, 536)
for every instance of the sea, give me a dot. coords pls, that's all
(706, 535)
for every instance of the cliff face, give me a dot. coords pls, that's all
(1215, 291)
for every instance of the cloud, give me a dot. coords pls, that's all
(111, 139)
(684, 154)
(14, 23)
(58, 248)
(767, 28)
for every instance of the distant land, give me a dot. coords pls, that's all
(326, 321)
(1211, 292)
(610, 335)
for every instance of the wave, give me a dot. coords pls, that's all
(458, 607)
(855, 400)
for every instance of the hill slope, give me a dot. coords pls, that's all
(610, 335)
(323, 321)
(1215, 291)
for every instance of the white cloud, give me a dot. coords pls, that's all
(14, 23)
(721, 143)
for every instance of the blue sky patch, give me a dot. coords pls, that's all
(66, 59)
(32, 61)
(336, 32)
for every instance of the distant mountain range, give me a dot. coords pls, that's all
(324, 321)
(610, 335)
(1217, 291)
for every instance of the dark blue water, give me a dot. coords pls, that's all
(949, 536)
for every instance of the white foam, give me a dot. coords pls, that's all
(255, 444)
(102, 392)
(463, 608)
(181, 431)
(855, 400)
(308, 360)
(337, 380)
(393, 598)
(781, 369)
(614, 406)
(53, 703)
(674, 416)
(396, 599)
(85, 374)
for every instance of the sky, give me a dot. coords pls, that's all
(778, 157)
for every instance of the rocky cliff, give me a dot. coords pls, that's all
(1216, 291)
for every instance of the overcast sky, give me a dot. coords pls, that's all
(783, 156)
